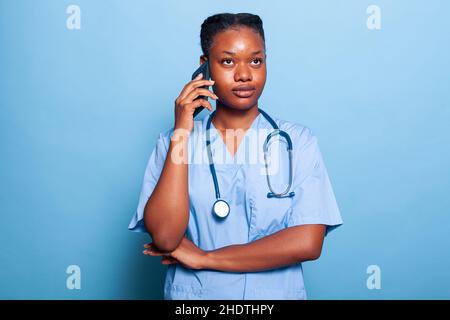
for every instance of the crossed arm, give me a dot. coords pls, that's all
(166, 216)
(285, 247)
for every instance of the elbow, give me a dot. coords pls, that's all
(312, 246)
(310, 253)
(314, 254)
(163, 240)
(166, 236)
(165, 245)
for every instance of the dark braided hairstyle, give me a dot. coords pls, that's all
(224, 21)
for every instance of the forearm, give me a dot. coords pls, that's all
(166, 213)
(288, 246)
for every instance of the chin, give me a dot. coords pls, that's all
(240, 104)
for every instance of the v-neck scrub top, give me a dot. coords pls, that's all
(243, 184)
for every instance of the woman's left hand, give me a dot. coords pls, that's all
(187, 253)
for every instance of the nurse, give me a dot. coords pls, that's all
(256, 249)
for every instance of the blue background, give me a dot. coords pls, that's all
(80, 111)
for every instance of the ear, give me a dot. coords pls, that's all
(203, 58)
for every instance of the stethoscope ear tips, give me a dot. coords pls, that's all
(221, 208)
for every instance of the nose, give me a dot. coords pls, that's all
(243, 73)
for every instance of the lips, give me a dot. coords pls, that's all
(244, 91)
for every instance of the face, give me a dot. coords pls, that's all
(237, 62)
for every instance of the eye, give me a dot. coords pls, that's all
(227, 62)
(257, 61)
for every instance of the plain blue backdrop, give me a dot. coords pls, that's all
(80, 111)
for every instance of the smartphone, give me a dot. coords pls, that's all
(204, 68)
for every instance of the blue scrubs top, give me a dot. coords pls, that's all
(243, 183)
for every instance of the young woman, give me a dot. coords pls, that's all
(230, 230)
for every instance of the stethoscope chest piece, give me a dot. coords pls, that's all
(221, 208)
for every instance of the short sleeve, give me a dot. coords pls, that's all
(151, 176)
(314, 201)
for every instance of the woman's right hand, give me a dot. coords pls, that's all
(185, 104)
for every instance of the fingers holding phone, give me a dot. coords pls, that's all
(188, 101)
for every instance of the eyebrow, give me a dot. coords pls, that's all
(233, 53)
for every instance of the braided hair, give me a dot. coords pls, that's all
(224, 21)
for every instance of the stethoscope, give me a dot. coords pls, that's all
(221, 208)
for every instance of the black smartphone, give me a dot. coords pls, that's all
(204, 68)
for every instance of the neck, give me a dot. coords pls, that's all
(227, 118)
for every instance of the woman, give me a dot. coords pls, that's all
(254, 246)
